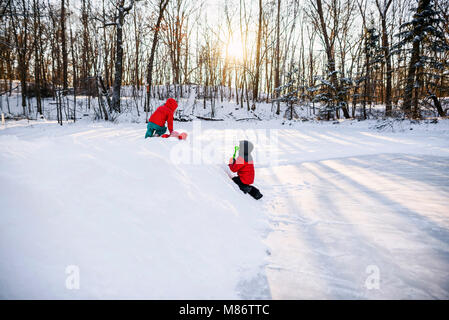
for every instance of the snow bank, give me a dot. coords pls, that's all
(113, 205)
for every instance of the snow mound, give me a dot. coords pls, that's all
(112, 206)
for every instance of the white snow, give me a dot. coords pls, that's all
(102, 198)
(340, 200)
(342, 216)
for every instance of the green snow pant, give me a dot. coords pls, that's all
(152, 128)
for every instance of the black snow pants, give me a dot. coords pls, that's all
(246, 188)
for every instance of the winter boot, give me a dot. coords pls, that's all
(255, 193)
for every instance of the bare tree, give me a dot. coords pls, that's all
(383, 10)
(257, 66)
(64, 49)
(277, 62)
(122, 11)
(162, 6)
(328, 37)
(20, 21)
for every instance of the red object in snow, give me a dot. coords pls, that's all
(175, 134)
(165, 114)
(245, 170)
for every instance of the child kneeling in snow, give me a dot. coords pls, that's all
(244, 166)
(159, 117)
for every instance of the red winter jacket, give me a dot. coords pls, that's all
(245, 170)
(165, 113)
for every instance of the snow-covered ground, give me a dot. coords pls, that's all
(190, 106)
(348, 211)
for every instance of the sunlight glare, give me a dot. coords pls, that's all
(235, 50)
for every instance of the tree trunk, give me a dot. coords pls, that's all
(21, 41)
(437, 104)
(257, 74)
(85, 48)
(412, 76)
(74, 79)
(162, 5)
(386, 48)
(385, 44)
(118, 59)
(37, 54)
(64, 49)
(276, 72)
(329, 53)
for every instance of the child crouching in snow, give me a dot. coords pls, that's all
(244, 166)
(159, 117)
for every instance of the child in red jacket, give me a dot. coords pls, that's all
(159, 117)
(244, 166)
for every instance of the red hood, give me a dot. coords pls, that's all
(171, 104)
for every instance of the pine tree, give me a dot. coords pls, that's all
(288, 93)
(332, 97)
(422, 38)
(373, 57)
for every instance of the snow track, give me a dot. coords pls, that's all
(345, 208)
(343, 218)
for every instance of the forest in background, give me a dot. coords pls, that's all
(339, 57)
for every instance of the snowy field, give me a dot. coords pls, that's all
(349, 212)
